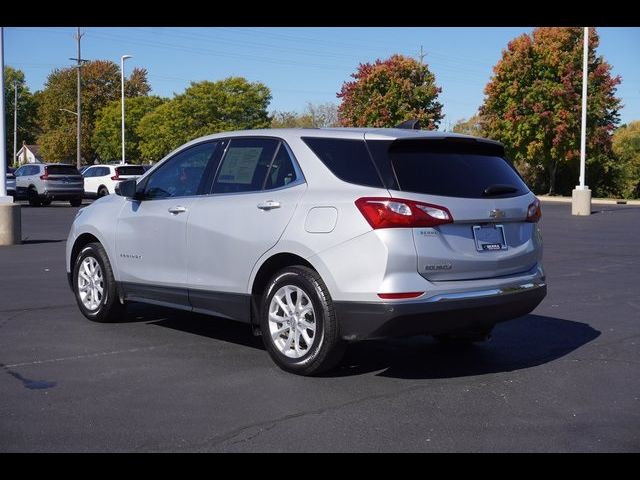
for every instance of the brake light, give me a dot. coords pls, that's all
(399, 213)
(399, 296)
(534, 211)
(46, 175)
(116, 176)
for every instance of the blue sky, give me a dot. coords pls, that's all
(303, 65)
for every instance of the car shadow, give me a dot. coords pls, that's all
(526, 342)
(216, 328)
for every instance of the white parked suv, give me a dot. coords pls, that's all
(40, 183)
(318, 237)
(101, 180)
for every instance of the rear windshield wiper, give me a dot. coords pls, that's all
(499, 189)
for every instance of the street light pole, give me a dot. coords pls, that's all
(581, 195)
(122, 59)
(15, 120)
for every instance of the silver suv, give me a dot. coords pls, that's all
(40, 183)
(319, 237)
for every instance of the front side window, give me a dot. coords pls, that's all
(245, 165)
(181, 175)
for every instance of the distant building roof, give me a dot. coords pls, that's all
(35, 149)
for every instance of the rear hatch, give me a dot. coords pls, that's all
(488, 201)
(127, 172)
(63, 177)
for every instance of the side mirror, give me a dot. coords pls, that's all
(127, 188)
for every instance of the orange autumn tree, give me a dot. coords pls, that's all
(533, 105)
(388, 92)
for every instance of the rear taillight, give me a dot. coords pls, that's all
(116, 176)
(399, 213)
(534, 211)
(46, 175)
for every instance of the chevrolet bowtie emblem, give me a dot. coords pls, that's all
(496, 213)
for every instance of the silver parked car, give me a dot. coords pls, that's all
(40, 183)
(318, 237)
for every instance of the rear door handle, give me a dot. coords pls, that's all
(269, 205)
(177, 209)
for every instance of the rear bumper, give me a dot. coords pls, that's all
(63, 194)
(443, 313)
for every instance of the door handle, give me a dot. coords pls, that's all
(269, 205)
(177, 209)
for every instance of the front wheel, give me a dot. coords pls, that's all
(298, 322)
(94, 285)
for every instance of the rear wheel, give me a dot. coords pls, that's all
(75, 202)
(102, 191)
(298, 322)
(33, 197)
(46, 202)
(94, 285)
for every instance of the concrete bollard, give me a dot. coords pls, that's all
(10, 224)
(581, 201)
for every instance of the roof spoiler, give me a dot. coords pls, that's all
(409, 125)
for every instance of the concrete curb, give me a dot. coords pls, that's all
(596, 201)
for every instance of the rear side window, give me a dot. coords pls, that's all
(438, 168)
(282, 172)
(132, 170)
(349, 160)
(62, 170)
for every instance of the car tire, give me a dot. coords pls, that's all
(307, 341)
(45, 202)
(33, 198)
(102, 191)
(466, 337)
(96, 272)
(75, 202)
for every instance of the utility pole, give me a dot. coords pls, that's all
(422, 55)
(581, 195)
(79, 60)
(15, 120)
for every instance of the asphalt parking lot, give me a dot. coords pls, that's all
(564, 378)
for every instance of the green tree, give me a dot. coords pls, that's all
(472, 126)
(100, 85)
(388, 92)
(204, 108)
(533, 105)
(290, 120)
(27, 117)
(314, 116)
(626, 145)
(107, 135)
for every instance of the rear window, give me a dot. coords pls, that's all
(447, 169)
(349, 160)
(133, 170)
(62, 170)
